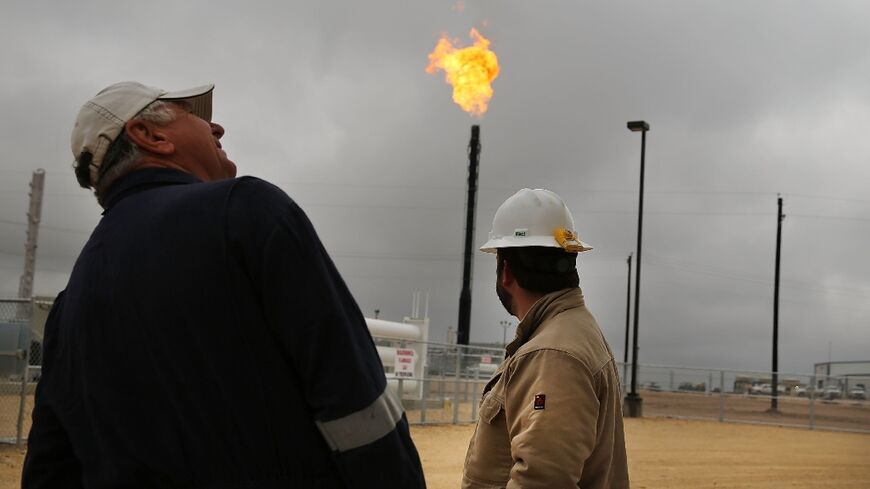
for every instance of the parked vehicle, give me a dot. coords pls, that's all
(766, 389)
(832, 392)
(857, 393)
(759, 389)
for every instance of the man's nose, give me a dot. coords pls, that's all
(217, 130)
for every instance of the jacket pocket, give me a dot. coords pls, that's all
(493, 381)
(490, 407)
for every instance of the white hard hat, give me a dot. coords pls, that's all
(534, 218)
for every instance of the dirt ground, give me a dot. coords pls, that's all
(665, 454)
(684, 454)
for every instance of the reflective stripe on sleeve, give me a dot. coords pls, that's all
(364, 426)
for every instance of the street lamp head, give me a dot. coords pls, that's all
(636, 126)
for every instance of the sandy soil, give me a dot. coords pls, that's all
(11, 460)
(684, 454)
(665, 454)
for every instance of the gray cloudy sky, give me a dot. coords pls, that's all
(330, 101)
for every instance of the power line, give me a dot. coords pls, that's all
(745, 295)
(791, 284)
(17, 191)
(826, 197)
(38, 269)
(382, 206)
(310, 183)
(453, 257)
(47, 227)
(846, 218)
(711, 273)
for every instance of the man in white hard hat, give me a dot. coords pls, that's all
(551, 415)
(205, 339)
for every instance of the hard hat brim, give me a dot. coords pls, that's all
(494, 244)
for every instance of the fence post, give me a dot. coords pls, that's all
(19, 436)
(671, 388)
(456, 386)
(474, 393)
(401, 380)
(424, 398)
(812, 396)
(721, 395)
(624, 377)
(709, 388)
(441, 383)
(401, 392)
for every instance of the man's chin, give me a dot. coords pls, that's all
(231, 169)
(505, 298)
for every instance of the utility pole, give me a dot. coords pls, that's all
(627, 322)
(34, 214)
(774, 391)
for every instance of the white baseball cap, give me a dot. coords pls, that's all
(102, 118)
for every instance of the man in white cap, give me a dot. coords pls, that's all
(551, 415)
(205, 339)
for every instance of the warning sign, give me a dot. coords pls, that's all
(485, 359)
(406, 358)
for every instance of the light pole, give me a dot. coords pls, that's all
(633, 402)
(774, 391)
(505, 324)
(627, 321)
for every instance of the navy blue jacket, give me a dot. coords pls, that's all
(206, 340)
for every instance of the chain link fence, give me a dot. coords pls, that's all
(20, 355)
(801, 400)
(452, 381)
(454, 377)
(448, 387)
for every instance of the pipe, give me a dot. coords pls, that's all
(379, 327)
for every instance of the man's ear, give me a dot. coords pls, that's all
(149, 137)
(507, 277)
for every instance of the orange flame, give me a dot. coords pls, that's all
(470, 70)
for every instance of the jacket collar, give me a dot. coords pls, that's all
(542, 310)
(139, 180)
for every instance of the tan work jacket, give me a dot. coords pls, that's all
(551, 415)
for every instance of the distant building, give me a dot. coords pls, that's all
(843, 375)
(743, 383)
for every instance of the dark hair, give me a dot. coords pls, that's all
(119, 149)
(122, 153)
(82, 167)
(540, 269)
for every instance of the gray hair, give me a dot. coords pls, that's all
(122, 154)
